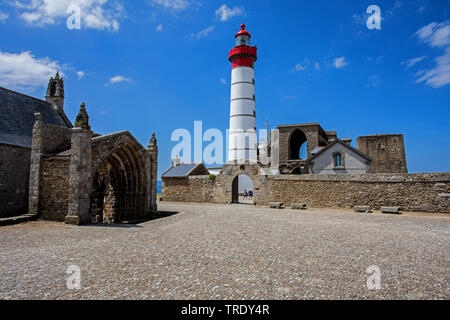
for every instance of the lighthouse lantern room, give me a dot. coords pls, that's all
(242, 135)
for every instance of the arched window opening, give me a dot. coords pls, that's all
(298, 146)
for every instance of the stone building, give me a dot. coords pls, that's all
(16, 125)
(387, 152)
(69, 172)
(338, 157)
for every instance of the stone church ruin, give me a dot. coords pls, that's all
(61, 171)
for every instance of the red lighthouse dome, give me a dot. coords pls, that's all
(243, 55)
(243, 32)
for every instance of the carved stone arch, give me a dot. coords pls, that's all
(126, 160)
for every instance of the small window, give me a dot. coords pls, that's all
(338, 163)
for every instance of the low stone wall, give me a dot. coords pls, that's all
(14, 180)
(198, 189)
(410, 192)
(54, 188)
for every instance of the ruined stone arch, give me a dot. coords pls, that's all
(297, 139)
(119, 185)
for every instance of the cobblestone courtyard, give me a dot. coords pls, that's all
(231, 252)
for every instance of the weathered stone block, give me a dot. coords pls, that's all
(393, 210)
(444, 195)
(362, 209)
(276, 205)
(299, 206)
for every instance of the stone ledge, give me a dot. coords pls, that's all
(276, 205)
(362, 209)
(392, 210)
(298, 206)
(17, 220)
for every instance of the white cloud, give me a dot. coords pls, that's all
(223, 81)
(23, 71)
(439, 76)
(159, 28)
(95, 14)
(118, 79)
(373, 81)
(203, 33)
(299, 67)
(80, 74)
(411, 62)
(317, 66)
(339, 63)
(397, 5)
(436, 35)
(177, 5)
(224, 13)
(3, 16)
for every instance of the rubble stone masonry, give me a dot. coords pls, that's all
(423, 192)
(198, 189)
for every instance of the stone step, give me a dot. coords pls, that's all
(362, 209)
(18, 219)
(393, 210)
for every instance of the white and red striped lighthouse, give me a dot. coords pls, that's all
(242, 146)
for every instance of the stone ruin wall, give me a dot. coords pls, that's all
(410, 192)
(421, 192)
(54, 188)
(199, 189)
(14, 180)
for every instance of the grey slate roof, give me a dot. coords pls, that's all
(17, 117)
(181, 170)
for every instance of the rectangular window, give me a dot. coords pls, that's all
(338, 160)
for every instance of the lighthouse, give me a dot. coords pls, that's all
(242, 146)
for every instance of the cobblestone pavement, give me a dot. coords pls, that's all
(231, 252)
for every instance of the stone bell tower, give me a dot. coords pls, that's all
(55, 92)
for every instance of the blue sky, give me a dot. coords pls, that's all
(159, 65)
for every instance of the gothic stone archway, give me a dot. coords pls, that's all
(120, 182)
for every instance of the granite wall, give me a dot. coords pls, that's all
(14, 180)
(424, 192)
(54, 188)
(411, 192)
(198, 189)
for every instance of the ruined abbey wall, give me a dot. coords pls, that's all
(423, 192)
(14, 179)
(199, 189)
(54, 188)
(411, 192)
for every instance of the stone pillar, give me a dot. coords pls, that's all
(80, 180)
(152, 175)
(35, 165)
